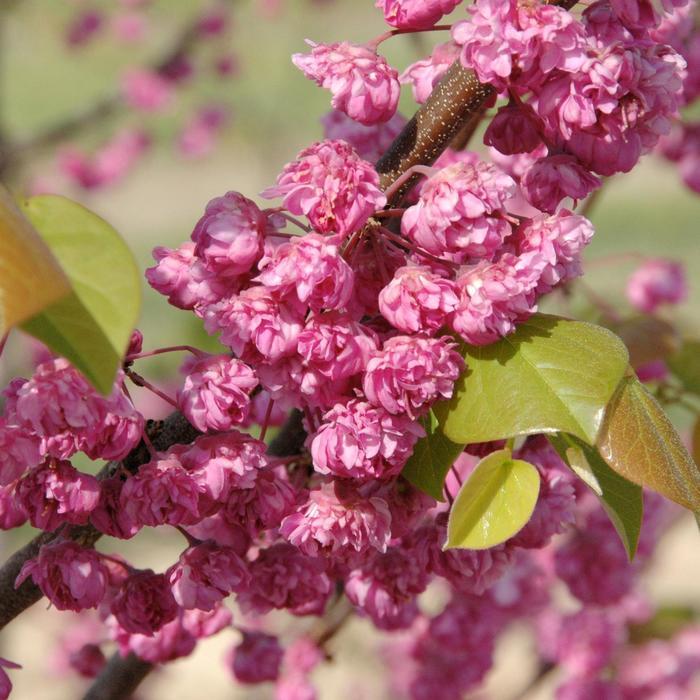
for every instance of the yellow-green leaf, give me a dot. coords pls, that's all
(494, 504)
(92, 325)
(638, 441)
(30, 276)
(432, 458)
(550, 375)
(621, 499)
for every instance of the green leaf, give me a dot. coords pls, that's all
(494, 503)
(685, 364)
(92, 325)
(432, 458)
(621, 499)
(30, 277)
(638, 441)
(550, 375)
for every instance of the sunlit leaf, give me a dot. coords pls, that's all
(551, 375)
(432, 458)
(621, 499)
(92, 325)
(639, 442)
(30, 276)
(685, 364)
(648, 339)
(494, 503)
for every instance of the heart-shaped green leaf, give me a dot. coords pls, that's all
(92, 325)
(432, 458)
(550, 375)
(621, 498)
(494, 504)
(638, 441)
(685, 364)
(30, 277)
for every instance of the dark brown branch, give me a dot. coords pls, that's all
(163, 434)
(119, 678)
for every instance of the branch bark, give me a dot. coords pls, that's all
(119, 678)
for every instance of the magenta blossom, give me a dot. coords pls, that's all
(363, 84)
(19, 451)
(205, 574)
(256, 659)
(415, 14)
(411, 372)
(215, 393)
(146, 90)
(70, 576)
(331, 185)
(425, 74)
(361, 441)
(144, 603)
(657, 282)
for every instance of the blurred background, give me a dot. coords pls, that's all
(62, 99)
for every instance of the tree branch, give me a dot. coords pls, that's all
(119, 678)
(13, 601)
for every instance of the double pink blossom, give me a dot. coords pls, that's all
(70, 576)
(657, 282)
(415, 14)
(144, 603)
(411, 372)
(331, 185)
(256, 658)
(216, 392)
(361, 441)
(362, 83)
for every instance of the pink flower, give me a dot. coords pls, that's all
(146, 90)
(583, 643)
(584, 688)
(60, 407)
(175, 639)
(360, 441)
(284, 578)
(108, 516)
(55, 493)
(415, 14)
(417, 300)
(255, 325)
(83, 27)
(495, 297)
(412, 372)
(335, 346)
(424, 75)
(130, 27)
(658, 281)
(551, 179)
(458, 211)
(256, 659)
(144, 603)
(311, 269)
(263, 506)
(370, 142)
(19, 451)
(215, 393)
(5, 683)
(222, 463)
(199, 136)
(229, 237)
(183, 278)
(12, 512)
(71, 577)
(332, 186)
(514, 129)
(559, 241)
(161, 492)
(295, 686)
(339, 521)
(386, 587)
(205, 574)
(363, 84)
(87, 661)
